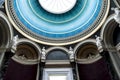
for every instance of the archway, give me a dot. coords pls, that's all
(90, 64)
(110, 35)
(25, 62)
(6, 35)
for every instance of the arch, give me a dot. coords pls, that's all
(25, 46)
(56, 48)
(107, 31)
(89, 60)
(26, 59)
(6, 32)
(61, 50)
(87, 52)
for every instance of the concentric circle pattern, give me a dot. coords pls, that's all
(78, 22)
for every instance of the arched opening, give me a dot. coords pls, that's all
(90, 64)
(57, 55)
(25, 62)
(116, 35)
(6, 35)
(86, 51)
(6, 32)
(57, 65)
(26, 51)
(110, 35)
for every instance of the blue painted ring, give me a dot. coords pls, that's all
(30, 19)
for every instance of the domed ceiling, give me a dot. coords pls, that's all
(57, 22)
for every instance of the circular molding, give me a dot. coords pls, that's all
(58, 39)
(57, 6)
(56, 48)
(6, 32)
(87, 47)
(23, 40)
(31, 44)
(107, 32)
(117, 2)
(93, 41)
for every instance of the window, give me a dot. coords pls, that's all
(57, 74)
(57, 77)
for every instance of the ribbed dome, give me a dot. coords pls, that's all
(57, 6)
(49, 26)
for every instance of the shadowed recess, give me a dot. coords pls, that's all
(87, 50)
(94, 71)
(17, 71)
(27, 51)
(57, 55)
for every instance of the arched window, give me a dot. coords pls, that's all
(90, 64)
(57, 66)
(57, 55)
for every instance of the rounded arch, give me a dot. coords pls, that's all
(6, 32)
(87, 51)
(27, 52)
(60, 52)
(107, 34)
(54, 48)
(108, 31)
